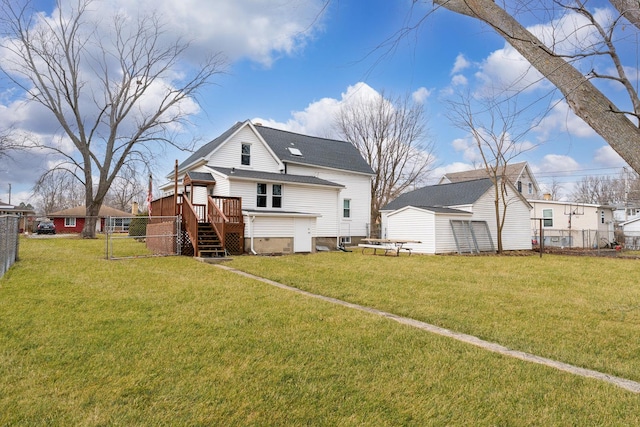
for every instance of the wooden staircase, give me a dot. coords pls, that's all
(209, 245)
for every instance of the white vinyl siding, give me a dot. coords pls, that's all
(357, 189)
(229, 154)
(274, 226)
(516, 233)
(432, 230)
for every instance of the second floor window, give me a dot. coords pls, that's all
(245, 158)
(261, 201)
(530, 185)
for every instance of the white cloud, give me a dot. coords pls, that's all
(261, 31)
(460, 64)
(318, 118)
(607, 157)
(469, 149)
(558, 164)
(459, 80)
(505, 69)
(562, 118)
(421, 95)
(438, 172)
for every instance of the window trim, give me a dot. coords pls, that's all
(70, 222)
(346, 208)
(547, 221)
(261, 196)
(245, 158)
(276, 196)
(530, 188)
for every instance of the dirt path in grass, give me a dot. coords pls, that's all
(624, 383)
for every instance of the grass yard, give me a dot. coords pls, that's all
(169, 341)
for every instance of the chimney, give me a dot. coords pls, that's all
(134, 208)
(546, 196)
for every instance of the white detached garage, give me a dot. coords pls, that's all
(457, 217)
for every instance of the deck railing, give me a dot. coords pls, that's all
(224, 214)
(190, 223)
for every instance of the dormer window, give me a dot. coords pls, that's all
(530, 188)
(519, 184)
(245, 158)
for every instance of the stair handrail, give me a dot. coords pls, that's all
(217, 218)
(190, 221)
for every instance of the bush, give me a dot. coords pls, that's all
(138, 226)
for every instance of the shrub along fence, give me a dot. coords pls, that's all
(9, 240)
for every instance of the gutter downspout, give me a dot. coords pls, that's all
(251, 219)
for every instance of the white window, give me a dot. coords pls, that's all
(547, 214)
(530, 188)
(276, 196)
(519, 186)
(245, 157)
(69, 222)
(346, 208)
(261, 201)
(345, 240)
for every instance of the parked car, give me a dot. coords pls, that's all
(46, 227)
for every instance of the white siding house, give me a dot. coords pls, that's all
(571, 224)
(429, 215)
(297, 191)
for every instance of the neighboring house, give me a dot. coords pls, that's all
(72, 220)
(457, 217)
(626, 213)
(631, 232)
(26, 214)
(571, 224)
(296, 192)
(518, 174)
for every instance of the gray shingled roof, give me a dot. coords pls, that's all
(277, 177)
(210, 146)
(512, 171)
(201, 176)
(315, 151)
(444, 195)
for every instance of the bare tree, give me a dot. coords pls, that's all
(126, 189)
(391, 135)
(57, 189)
(573, 62)
(497, 128)
(619, 190)
(116, 96)
(554, 190)
(10, 140)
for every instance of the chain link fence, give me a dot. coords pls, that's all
(9, 241)
(142, 236)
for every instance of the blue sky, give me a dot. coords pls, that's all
(291, 68)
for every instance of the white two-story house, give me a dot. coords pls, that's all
(297, 192)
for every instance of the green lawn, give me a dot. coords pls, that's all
(171, 341)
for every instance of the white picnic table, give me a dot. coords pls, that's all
(387, 245)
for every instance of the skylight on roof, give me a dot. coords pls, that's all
(294, 151)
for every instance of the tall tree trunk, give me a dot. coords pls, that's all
(586, 101)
